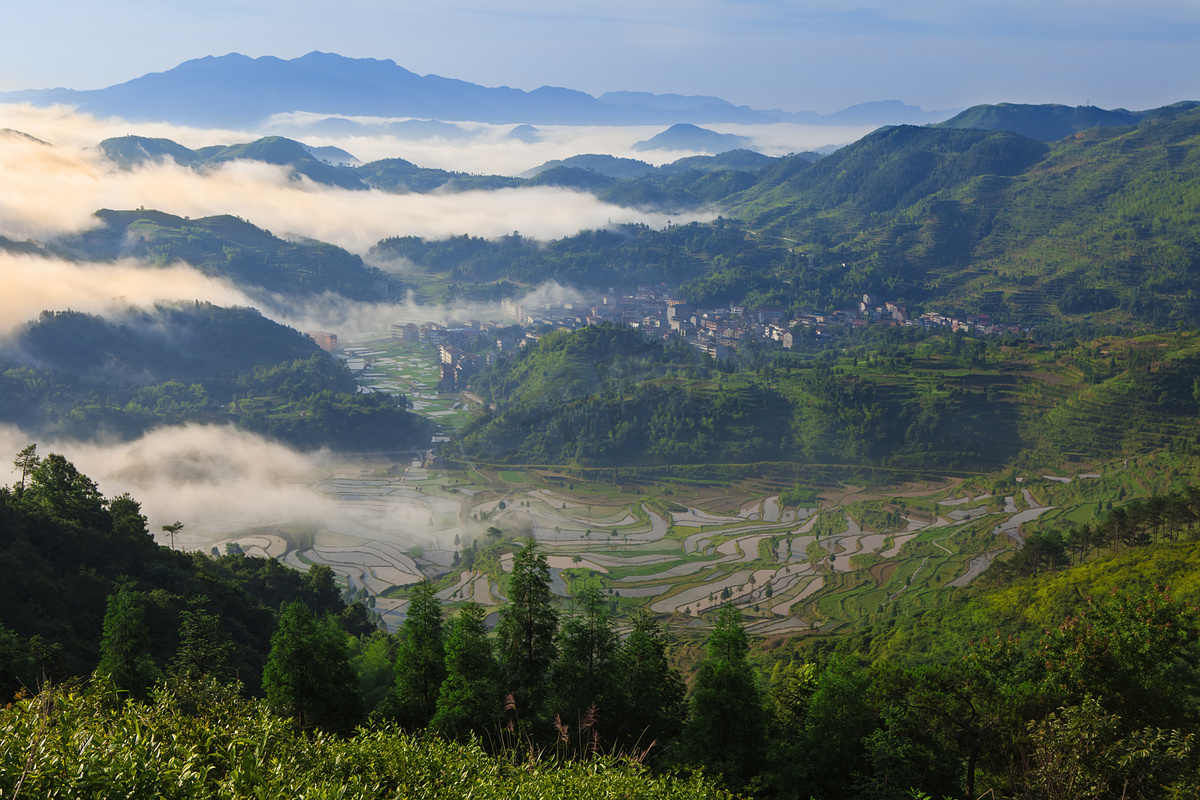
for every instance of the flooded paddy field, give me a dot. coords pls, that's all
(389, 522)
(384, 521)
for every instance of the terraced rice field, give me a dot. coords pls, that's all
(388, 524)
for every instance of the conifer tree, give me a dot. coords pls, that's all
(308, 675)
(652, 703)
(125, 649)
(420, 662)
(584, 675)
(727, 729)
(528, 624)
(471, 696)
(203, 647)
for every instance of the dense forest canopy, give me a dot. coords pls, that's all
(80, 375)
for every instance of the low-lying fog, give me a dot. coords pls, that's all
(212, 478)
(218, 479)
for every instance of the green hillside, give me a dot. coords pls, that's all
(1098, 228)
(997, 223)
(605, 396)
(227, 247)
(1045, 123)
(81, 376)
(282, 152)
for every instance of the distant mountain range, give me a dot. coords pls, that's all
(241, 92)
(673, 186)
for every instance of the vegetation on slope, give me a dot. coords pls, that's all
(227, 247)
(82, 376)
(605, 396)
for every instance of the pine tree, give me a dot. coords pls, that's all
(125, 648)
(528, 624)
(203, 648)
(653, 707)
(308, 675)
(727, 729)
(584, 675)
(471, 696)
(420, 662)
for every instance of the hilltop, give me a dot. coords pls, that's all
(236, 91)
(225, 246)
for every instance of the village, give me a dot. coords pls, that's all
(465, 347)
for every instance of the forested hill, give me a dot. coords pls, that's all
(1098, 227)
(83, 376)
(183, 342)
(605, 396)
(226, 247)
(997, 223)
(682, 185)
(64, 548)
(1042, 122)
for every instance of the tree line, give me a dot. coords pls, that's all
(1105, 703)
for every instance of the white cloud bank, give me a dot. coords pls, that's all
(54, 185)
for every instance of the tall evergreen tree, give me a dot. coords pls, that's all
(838, 721)
(727, 729)
(584, 674)
(125, 649)
(308, 674)
(420, 662)
(653, 707)
(203, 649)
(528, 623)
(471, 696)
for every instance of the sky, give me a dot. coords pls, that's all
(795, 55)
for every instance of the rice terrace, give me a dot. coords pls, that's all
(791, 559)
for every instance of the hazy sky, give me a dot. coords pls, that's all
(819, 55)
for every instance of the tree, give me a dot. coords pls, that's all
(373, 657)
(322, 590)
(204, 649)
(420, 662)
(470, 700)
(839, 718)
(26, 461)
(527, 627)
(727, 729)
(173, 528)
(16, 665)
(128, 522)
(1137, 654)
(66, 493)
(125, 648)
(652, 703)
(584, 674)
(308, 675)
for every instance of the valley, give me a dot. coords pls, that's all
(679, 547)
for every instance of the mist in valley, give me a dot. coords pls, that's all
(225, 484)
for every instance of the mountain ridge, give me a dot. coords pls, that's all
(235, 90)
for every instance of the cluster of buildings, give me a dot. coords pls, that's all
(720, 331)
(464, 348)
